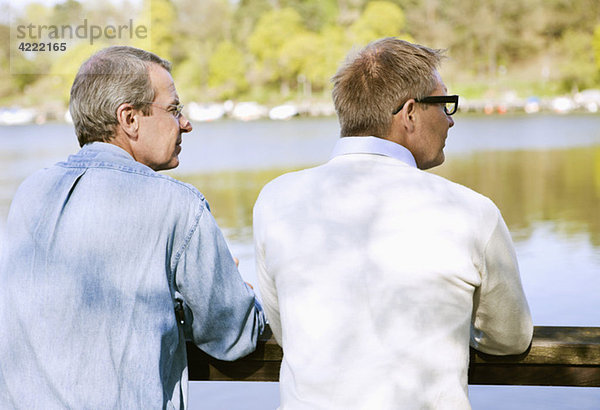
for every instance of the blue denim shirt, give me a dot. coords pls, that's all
(99, 249)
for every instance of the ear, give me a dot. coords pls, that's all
(403, 124)
(127, 116)
(409, 116)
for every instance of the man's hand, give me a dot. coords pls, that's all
(237, 264)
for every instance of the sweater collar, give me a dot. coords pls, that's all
(373, 145)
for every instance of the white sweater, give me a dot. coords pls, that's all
(376, 275)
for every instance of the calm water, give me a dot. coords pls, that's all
(543, 172)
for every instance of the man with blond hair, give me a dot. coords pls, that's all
(111, 266)
(375, 275)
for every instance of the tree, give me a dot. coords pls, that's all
(227, 71)
(229, 48)
(245, 17)
(315, 57)
(380, 19)
(492, 33)
(596, 46)
(316, 14)
(65, 67)
(349, 11)
(577, 68)
(266, 42)
(162, 16)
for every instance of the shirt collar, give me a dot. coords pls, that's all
(98, 146)
(105, 153)
(373, 145)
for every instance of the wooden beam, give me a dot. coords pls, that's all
(558, 356)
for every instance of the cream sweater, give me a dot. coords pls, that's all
(375, 276)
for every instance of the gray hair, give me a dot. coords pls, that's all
(370, 85)
(109, 78)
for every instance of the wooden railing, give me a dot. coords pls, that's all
(558, 356)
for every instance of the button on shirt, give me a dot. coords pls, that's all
(100, 249)
(376, 276)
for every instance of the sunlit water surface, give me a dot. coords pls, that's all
(543, 172)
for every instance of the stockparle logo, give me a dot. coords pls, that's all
(49, 47)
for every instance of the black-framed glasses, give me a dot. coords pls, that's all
(174, 109)
(450, 103)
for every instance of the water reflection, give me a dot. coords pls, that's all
(231, 195)
(561, 187)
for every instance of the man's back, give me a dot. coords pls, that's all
(99, 246)
(370, 270)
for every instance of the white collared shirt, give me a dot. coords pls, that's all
(373, 145)
(375, 276)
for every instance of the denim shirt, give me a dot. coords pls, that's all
(99, 250)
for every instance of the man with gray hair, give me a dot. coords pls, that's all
(375, 275)
(110, 265)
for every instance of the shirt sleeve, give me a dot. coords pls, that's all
(268, 292)
(223, 317)
(266, 282)
(501, 320)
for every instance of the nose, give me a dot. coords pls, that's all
(187, 126)
(450, 121)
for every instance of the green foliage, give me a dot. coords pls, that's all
(271, 50)
(245, 16)
(227, 71)
(596, 46)
(70, 11)
(380, 19)
(272, 30)
(64, 68)
(163, 18)
(314, 56)
(37, 12)
(189, 76)
(577, 67)
(316, 14)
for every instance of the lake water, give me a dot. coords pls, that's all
(542, 171)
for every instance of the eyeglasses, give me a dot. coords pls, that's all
(450, 103)
(174, 109)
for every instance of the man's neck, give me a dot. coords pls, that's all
(121, 140)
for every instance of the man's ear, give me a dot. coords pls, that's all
(409, 115)
(127, 116)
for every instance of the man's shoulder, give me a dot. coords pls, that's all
(291, 181)
(178, 187)
(387, 176)
(171, 189)
(458, 188)
(128, 171)
(451, 193)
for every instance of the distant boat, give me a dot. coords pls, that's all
(283, 112)
(532, 105)
(588, 99)
(205, 112)
(248, 111)
(16, 116)
(562, 105)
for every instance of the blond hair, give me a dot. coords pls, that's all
(379, 78)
